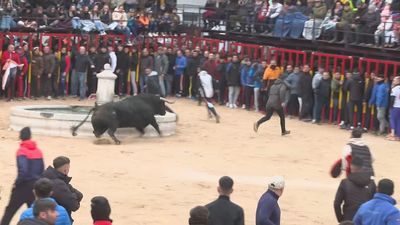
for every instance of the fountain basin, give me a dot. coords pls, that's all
(57, 120)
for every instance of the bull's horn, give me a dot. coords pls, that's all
(166, 100)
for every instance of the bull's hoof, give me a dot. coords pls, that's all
(74, 134)
(117, 142)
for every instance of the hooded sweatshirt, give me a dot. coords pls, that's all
(353, 191)
(29, 162)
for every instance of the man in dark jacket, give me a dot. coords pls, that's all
(82, 63)
(190, 86)
(30, 166)
(146, 62)
(170, 72)
(37, 72)
(233, 72)
(49, 76)
(100, 60)
(161, 67)
(63, 192)
(45, 213)
(356, 91)
(322, 96)
(305, 93)
(268, 211)
(223, 211)
(353, 191)
(121, 70)
(133, 63)
(279, 95)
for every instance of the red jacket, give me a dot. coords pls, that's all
(24, 60)
(29, 162)
(7, 55)
(67, 64)
(211, 67)
(102, 222)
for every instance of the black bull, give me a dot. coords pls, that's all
(134, 111)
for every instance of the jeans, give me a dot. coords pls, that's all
(168, 84)
(268, 115)
(256, 98)
(133, 83)
(142, 82)
(233, 95)
(63, 79)
(99, 25)
(125, 31)
(79, 80)
(162, 85)
(11, 83)
(395, 120)
(381, 114)
(321, 103)
(7, 23)
(76, 23)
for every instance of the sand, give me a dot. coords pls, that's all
(158, 180)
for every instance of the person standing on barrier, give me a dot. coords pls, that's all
(380, 99)
(305, 93)
(49, 77)
(37, 72)
(82, 63)
(395, 110)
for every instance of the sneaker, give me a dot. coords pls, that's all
(243, 106)
(341, 123)
(227, 104)
(102, 33)
(255, 127)
(314, 121)
(178, 95)
(231, 106)
(129, 43)
(49, 98)
(235, 106)
(286, 133)
(351, 128)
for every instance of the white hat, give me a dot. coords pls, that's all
(277, 183)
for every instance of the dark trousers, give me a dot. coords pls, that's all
(121, 82)
(222, 90)
(293, 105)
(50, 85)
(269, 112)
(20, 194)
(35, 87)
(351, 105)
(248, 93)
(306, 108)
(321, 103)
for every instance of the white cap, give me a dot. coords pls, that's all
(277, 183)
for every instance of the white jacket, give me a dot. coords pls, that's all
(206, 83)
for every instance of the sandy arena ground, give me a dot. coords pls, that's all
(157, 181)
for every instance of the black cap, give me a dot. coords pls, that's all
(100, 208)
(25, 134)
(60, 161)
(386, 186)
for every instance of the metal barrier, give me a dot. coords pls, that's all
(287, 56)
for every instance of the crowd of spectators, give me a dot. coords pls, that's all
(127, 17)
(346, 21)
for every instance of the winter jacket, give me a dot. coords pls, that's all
(192, 64)
(171, 61)
(63, 192)
(37, 65)
(324, 88)
(180, 65)
(146, 62)
(122, 61)
(272, 74)
(206, 84)
(211, 67)
(100, 60)
(161, 64)
(268, 211)
(378, 211)
(305, 86)
(380, 95)
(346, 19)
(335, 88)
(133, 61)
(29, 162)
(120, 17)
(293, 82)
(82, 61)
(224, 212)
(279, 93)
(371, 20)
(233, 72)
(356, 88)
(7, 55)
(316, 80)
(319, 12)
(65, 63)
(32, 222)
(258, 74)
(357, 148)
(62, 218)
(49, 63)
(24, 61)
(246, 76)
(353, 191)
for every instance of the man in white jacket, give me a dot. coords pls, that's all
(206, 91)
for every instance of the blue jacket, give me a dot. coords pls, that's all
(380, 95)
(246, 76)
(29, 162)
(62, 219)
(268, 211)
(180, 65)
(378, 211)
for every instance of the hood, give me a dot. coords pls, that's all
(28, 144)
(52, 174)
(385, 197)
(202, 73)
(361, 179)
(357, 141)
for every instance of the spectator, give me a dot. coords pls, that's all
(344, 25)
(100, 211)
(313, 27)
(10, 61)
(344, 124)
(42, 189)
(30, 166)
(153, 82)
(180, 66)
(95, 16)
(316, 80)
(356, 90)
(133, 62)
(7, 15)
(199, 216)
(120, 23)
(144, 23)
(175, 21)
(278, 99)
(121, 70)
(274, 11)
(223, 211)
(258, 74)
(65, 66)
(353, 191)
(395, 110)
(293, 82)
(63, 192)
(133, 23)
(75, 16)
(288, 71)
(23, 72)
(82, 63)
(206, 93)
(193, 63)
(170, 72)
(357, 148)
(161, 67)
(369, 21)
(268, 211)
(106, 16)
(146, 62)
(305, 94)
(380, 99)
(100, 60)
(50, 78)
(45, 213)
(37, 65)
(323, 92)
(233, 81)
(222, 69)
(380, 210)
(113, 58)
(272, 73)
(247, 80)
(336, 85)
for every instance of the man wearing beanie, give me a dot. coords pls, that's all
(268, 211)
(199, 216)
(100, 210)
(63, 192)
(353, 191)
(30, 166)
(223, 211)
(381, 209)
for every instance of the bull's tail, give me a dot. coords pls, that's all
(75, 128)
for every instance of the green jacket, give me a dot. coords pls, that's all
(319, 12)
